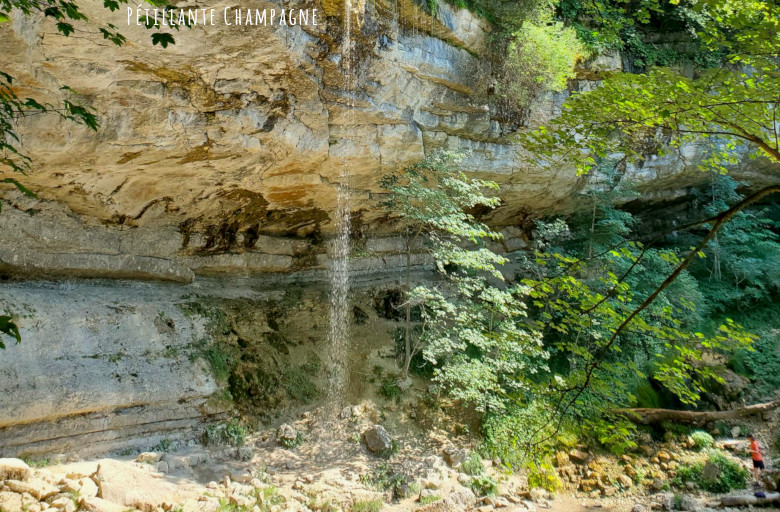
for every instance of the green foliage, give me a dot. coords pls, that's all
(473, 465)
(676, 429)
(731, 475)
(648, 397)
(293, 443)
(298, 383)
(368, 506)
(36, 463)
(612, 25)
(231, 433)
(164, 445)
(386, 477)
(539, 58)
(390, 390)
(483, 485)
(470, 332)
(508, 434)
(543, 475)
(702, 440)
(220, 362)
(8, 328)
(431, 498)
(264, 499)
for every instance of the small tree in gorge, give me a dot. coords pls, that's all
(469, 325)
(431, 200)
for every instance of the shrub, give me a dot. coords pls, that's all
(731, 475)
(164, 445)
(426, 500)
(368, 506)
(473, 465)
(702, 440)
(543, 476)
(539, 58)
(296, 441)
(388, 478)
(231, 433)
(483, 485)
(390, 389)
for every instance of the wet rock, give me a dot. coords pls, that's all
(377, 439)
(14, 469)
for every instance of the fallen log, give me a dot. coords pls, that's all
(744, 501)
(648, 416)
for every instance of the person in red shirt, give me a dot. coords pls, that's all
(758, 459)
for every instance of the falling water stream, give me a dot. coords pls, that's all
(339, 270)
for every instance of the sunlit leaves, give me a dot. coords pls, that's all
(471, 327)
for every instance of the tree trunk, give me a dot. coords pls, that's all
(647, 416)
(407, 331)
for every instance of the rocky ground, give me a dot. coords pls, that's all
(353, 464)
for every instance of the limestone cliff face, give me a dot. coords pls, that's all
(221, 153)
(108, 365)
(219, 156)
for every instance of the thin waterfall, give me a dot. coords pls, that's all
(339, 270)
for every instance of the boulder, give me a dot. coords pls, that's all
(148, 457)
(577, 456)
(625, 481)
(454, 456)
(87, 488)
(658, 484)
(14, 469)
(710, 472)
(131, 487)
(377, 439)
